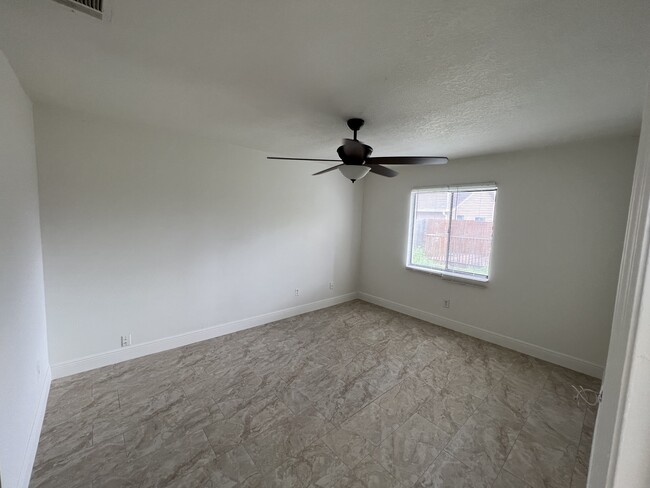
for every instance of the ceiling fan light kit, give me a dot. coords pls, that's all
(357, 163)
(354, 173)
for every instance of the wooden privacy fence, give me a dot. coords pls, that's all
(469, 241)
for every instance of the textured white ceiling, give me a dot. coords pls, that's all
(440, 77)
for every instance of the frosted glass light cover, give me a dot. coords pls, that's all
(354, 172)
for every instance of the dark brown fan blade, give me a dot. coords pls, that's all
(408, 160)
(327, 170)
(304, 159)
(382, 170)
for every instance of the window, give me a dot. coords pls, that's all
(451, 230)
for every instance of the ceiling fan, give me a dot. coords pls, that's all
(357, 163)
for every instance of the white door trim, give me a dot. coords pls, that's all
(612, 421)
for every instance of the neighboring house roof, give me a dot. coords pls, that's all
(439, 201)
(477, 205)
(433, 202)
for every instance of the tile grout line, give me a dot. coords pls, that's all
(546, 379)
(483, 401)
(444, 449)
(451, 438)
(416, 411)
(582, 432)
(507, 457)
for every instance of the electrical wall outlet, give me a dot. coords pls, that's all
(331, 285)
(446, 303)
(297, 291)
(126, 340)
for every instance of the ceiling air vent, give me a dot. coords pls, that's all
(90, 7)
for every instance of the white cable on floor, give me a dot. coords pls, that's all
(583, 394)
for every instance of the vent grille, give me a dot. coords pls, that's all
(90, 7)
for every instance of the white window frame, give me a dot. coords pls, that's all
(460, 277)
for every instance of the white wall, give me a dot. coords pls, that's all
(157, 234)
(24, 366)
(621, 446)
(559, 228)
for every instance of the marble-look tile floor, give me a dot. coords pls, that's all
(350, 396)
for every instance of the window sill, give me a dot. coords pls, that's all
(461, 279)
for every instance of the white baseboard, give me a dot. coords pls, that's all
(87, 363)
(35, 432)
(539, 352)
